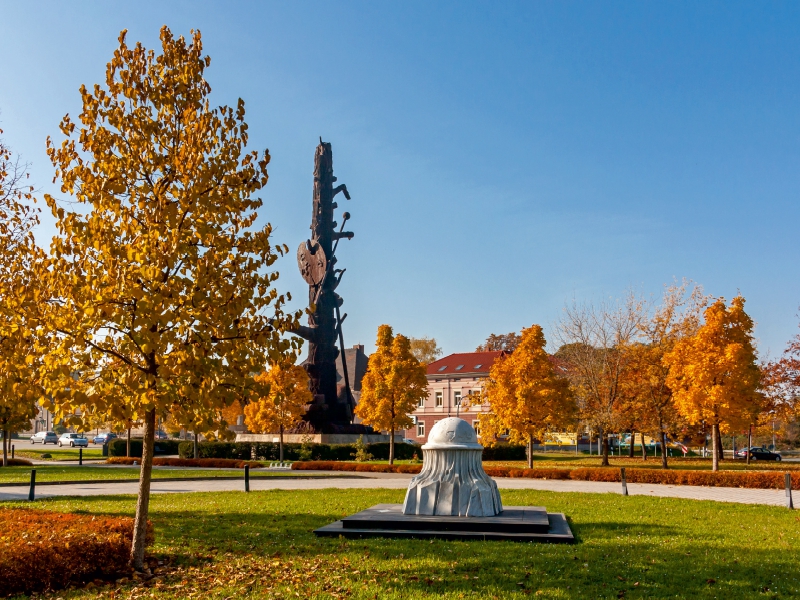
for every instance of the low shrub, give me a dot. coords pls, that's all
(161, 461)
(42, 550)
(320, 465)
(118, 447)
(504, 452)
(237, 451)
(17, 462)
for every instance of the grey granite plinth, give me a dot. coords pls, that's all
(515, 523)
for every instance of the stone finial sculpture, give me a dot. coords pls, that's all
(452, 481)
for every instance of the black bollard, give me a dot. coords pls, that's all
(80, 456)
(12, 450)
(788, 481)
(624, 483)
(32, 491)
(247, 478)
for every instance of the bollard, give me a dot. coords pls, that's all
(788, 481)
(624, 483)
(247, 478)
(12, 451)
(80, 456)
(32, 491)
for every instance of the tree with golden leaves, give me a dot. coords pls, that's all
(21, 293)
(425, 349)
(714, 375)
(162, 281)
(392, 387)
(281, 398)
(526, 396)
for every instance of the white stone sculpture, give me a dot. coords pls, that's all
(452, 481)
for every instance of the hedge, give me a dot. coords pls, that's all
(42, 550)
(117, 447)
(270, 451)
(747, 479)
(161, 461)
(17, 462)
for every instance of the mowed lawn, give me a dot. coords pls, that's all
(257, 545)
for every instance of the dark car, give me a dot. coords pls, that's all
(103, 438)
(759, 454)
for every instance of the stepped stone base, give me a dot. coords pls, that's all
(515, 523)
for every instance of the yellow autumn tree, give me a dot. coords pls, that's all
(163, 286)
(392, 387)
(713, 374)
(280, 400)
(20, 296)
(525, 394)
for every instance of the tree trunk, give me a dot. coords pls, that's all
(644, 448)
(605, 449)
(664, 450)
(714, 448)
(530, 451)
(128, 443)
(281, 445)
(196, 445)
(631, 441)
(391, 442)
(749, 442)
(5, 447)
(143, 501)
(719, 443)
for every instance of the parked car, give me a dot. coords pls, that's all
(160, 435)
(759, 454)
(103, 438)
(73, 440)
(44, 437)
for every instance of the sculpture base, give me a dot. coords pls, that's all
(515, 523)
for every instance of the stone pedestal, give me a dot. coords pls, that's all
(452, 481)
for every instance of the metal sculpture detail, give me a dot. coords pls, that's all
(330, 412)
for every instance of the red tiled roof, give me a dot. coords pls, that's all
(470, 362)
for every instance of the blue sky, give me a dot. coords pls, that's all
(502, 158)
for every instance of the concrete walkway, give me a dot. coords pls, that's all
(398, 481)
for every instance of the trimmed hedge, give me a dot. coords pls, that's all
(42, 550)
(117, 447)
(746, 479)
(17, 462)
(504, 452)
(160, 461)
(270, 451)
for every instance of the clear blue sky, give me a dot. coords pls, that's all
(503, 158)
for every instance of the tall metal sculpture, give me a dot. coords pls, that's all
(331, 412)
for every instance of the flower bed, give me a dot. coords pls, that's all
(740, 479)
(219, 463)
(42, 550)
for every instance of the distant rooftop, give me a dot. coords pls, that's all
(471, 362)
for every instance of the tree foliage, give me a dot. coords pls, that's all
(714, 375)
(495, 342)
(163, 282)
(525, 394)
(393, 385)
(425, 349)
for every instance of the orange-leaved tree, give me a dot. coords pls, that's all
(281, 397)
(163, 284)
(713, 374)
(526, 395)
(21, 293)
(393, 385)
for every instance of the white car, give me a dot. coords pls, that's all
(73, 440)
(44, 437)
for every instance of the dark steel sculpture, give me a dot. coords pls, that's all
(330, 412)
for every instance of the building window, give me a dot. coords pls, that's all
(438, 398)
(457, 398)
(476, 425)
(421, 403)
(421, 429)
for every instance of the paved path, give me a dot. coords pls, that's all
(398, 481)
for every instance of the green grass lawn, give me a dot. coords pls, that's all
(257, 545)
(86, 473)
(57, 453)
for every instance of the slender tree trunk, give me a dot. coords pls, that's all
(604, 437)
(5, 447)
(714, 448)
(631, 441)
(143, 501)
(281, 445)
(391, 442)
(719, 443)
(530, 451)
(196, 445)
(644, 448)
(664, 464)
(749, 442)
(128, 443)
